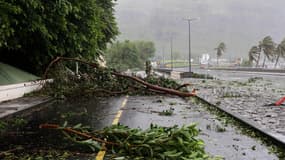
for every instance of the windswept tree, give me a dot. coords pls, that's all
(220, 50)
(128, 55)
(254, 55)
(280, 51)
(267, 46)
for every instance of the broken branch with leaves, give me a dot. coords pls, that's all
(150, 87)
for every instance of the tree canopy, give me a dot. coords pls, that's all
(35, 31)
(128, 55)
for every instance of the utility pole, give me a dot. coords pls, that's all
(189, 24)
(171, 51)
(163, 56)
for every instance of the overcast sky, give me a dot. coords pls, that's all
(238, 23)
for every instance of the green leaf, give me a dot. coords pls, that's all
(78, 126)
(119, 158)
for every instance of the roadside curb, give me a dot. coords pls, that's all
(277, 72)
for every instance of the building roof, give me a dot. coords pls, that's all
(13, 75)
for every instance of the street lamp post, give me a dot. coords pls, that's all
(189, 24)
(163, 57)
(171, 52)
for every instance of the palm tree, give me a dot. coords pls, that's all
(220, 50)
(280, 51)
(254, 55)
(268, 47)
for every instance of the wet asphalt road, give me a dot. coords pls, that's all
(219, 139)
(141, 111)
(277, 79)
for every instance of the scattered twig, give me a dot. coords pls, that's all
(70, 130)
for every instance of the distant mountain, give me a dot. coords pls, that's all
(238, 23)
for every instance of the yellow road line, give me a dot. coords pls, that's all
(117, 118)
(101, 154)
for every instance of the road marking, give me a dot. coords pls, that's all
(117, 118)
(101, 154)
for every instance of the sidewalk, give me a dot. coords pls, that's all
(18, 106)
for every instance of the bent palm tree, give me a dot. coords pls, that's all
(220, 50)
(268, 47)
(254, 55)
(280, 51)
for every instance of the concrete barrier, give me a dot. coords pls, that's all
(13, 91)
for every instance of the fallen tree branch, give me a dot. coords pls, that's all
(182, 86)
(155, 87)
(57, 59)
(138, 80)
(70, 130)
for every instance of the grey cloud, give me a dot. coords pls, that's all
(239, 23)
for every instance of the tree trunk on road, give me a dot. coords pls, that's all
(258, 59)
(264, 60)
(276, 61)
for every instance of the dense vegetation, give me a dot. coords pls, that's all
(34, 32)
(127, 54)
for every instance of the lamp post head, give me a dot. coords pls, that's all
(198, 18)
(192, 19)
